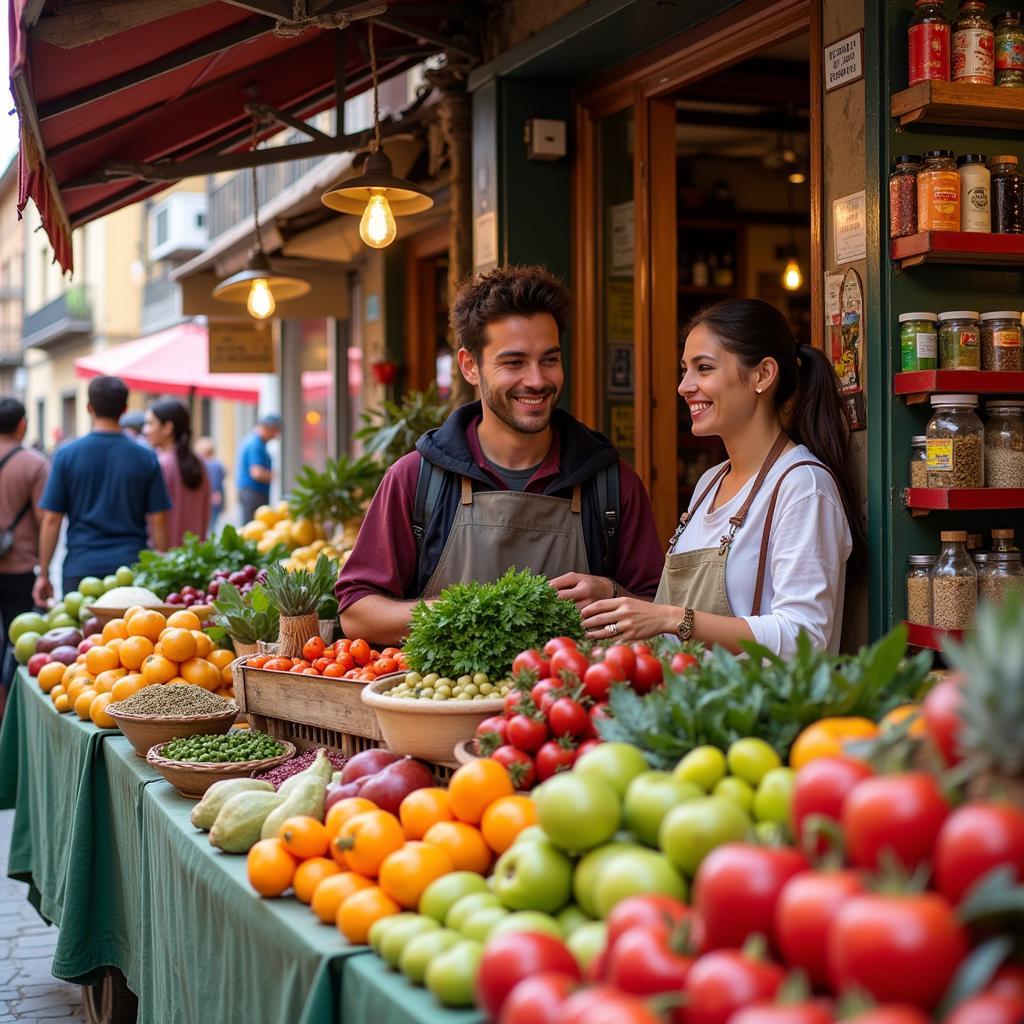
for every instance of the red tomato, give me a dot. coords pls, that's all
(898, 813)
(495, 724)
(333, 670)
(682, 660)
(645, 911)
(804, 912)
(941, 718)
(299, 666)
(345, 660)
(599, 678)
(568, 659)
(736, 889)
(537, 1000)
(532, 661)
(722, 982)
(554, 757)
(510, 705)
(313, 648)
(321, 663)
(556, 643)
(1009, 981)
(645, 962)
(987, 1009)
(527, 733)
(587, 745)
(642, 649)
(360, 651)
(813, 1011)
(566, 715)
(647, 674)
(820, 788)
(606, 1005)
(521, 768)
(891, 1013)
(545, 693)
(509, 959)
(975, 839)
(898, 947)
(623, 656)
(384, 666)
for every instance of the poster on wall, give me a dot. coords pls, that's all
(619, 310)
(850, 227)
(620, 368)
(844, 328)
(240, 346)
(623, 426)
(623, 244)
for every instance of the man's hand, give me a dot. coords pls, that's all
(582, 589)
(42, 591)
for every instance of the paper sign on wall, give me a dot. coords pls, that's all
(623, 238)
(237, 346)
(850, 227)
(844, 61)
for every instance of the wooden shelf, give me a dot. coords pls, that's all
(930, 636)
(972, 106)
(980, 247)
(977, 499)
(916, 385)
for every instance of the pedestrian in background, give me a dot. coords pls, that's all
(23, 473)
(255, 469)
(168, 429)
(132, 423)
(216, 472)
(110, 488)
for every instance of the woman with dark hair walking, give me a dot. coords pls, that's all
(762, 552)
(168, 428)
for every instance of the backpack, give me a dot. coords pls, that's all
(7, 533)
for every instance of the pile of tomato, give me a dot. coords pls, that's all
(345, 659)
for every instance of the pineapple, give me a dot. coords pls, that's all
(297, 594)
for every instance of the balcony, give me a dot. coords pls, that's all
(67, 318)
(161, 304)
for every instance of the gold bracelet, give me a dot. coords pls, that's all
(685, 628)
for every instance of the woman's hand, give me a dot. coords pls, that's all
(632, 618)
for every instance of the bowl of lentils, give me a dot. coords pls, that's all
(194, 763)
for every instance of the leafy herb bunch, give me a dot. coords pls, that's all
(246, 619)
(301, 591)
(481, 627)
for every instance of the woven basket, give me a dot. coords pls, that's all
(203, 611)
(146, 731)
(193, 780)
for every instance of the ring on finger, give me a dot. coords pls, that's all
(612, 628)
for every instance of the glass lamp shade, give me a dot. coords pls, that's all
(282, 286)
(352, 195)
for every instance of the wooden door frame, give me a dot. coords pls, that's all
(646, 84)
(420, 307)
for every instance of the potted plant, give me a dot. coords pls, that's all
(297, 596)
(247, 620)
(327, 615)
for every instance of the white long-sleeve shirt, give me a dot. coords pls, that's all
(805, 576)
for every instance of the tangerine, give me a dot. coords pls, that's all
(340, 812)
(897, 716)
(134, 651)
(423, 808)
(114, 628)
(200, 672)
(178, 644)
(127, 685)
(270, 867)
(505, 819)
(105, 680)
(100, 659)
(184, 619)
(147, 623)
(334, 890)
(57, 691)
(204, 645)
(825, 738)
(309, 874)
(366, 839)
(304, 836)
(182, 681)
(61, 703)
(50, 675)
(219, 657)
(115, 645)
(361, 910)
(98, 711)
(227, 677)
(82, 702)
(408, 871)
(131, 612)
(158, 669)
(463, 843)
(77, 685)
(475, 786)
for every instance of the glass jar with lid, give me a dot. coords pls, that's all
(919, 461)
(1009, 58)
(1004, 443)
(955, 443)
(1002, 341)
(1007, 196)
(979, 558)
(903, 195)
(919, 589)
(975, 189)
(938, 192)
(1001, 573)
(972, 60)
(928, 43)
(959, 340)
(954, 583)
(1004, 540)
(919, 341)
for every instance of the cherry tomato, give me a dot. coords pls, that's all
(987, 1008)
(812, 1011)
(545, 693)
(527, 733)
(568, 659)
(538, 999)
(647, 674)
(891, 1013)
(313, 648)
(384, 666)
(556, 643)
(682, 660)
(820, 788)
(566, 715)
(333, 670)
(942, 719)
(644, 961)
(649, 910)
(495, 724)
(606, 1005)
(553, 757)
(345, 660)
(642, 649)
(360, 651)
(599, 679)
(300, 666)
(520, 765)
(975, 839)
(533, 661)
(510, 705)
(587, 745)
(321, 663)
(1009, 981)
(623, 656)
(722, 982)
(509, 959)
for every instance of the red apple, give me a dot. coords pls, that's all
(37, 661)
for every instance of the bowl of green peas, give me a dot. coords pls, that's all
(194, 763)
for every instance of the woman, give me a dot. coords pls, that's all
(168, 429)
(762, 552)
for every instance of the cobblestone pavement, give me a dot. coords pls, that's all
(28, 991)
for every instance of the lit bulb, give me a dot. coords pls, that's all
(377, 228)
(260, 302)
(797, 177)
(792, 278)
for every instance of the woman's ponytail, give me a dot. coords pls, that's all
(189, 464)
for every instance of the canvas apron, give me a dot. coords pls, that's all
(495, 530)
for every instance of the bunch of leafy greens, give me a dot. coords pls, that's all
(727, 697)
(193, 564)
(481, 627)
(246, 619)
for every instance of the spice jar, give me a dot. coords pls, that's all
(1002, 341)
(973, 47)
(955, 444)
(959, 340)
(903, 196)
(928, 43)
(975, 186)
(938, 192)
(1007, 196)
(1004, 444)
(1009, 60)
(1001, 573)
(1003, 540)
(919, 589)
(954, 584)
(979, 558)
(919, 461)
(918, 341)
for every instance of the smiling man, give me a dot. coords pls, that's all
(511, 480)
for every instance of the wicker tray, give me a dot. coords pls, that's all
(193, 780)
(146, 731)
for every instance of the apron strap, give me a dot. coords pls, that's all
(773, 456)
(576, 505)
(467, 491)
(762, 562)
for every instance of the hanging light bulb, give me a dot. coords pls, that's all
(260, 302)
(792, 276)
(377, 228)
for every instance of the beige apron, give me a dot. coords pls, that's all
(495, 530)
(696, 579)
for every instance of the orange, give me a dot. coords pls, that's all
(57, 691)
(147, 623)
(366, 839)
(114, 629)
(181, 681)
(131, 612)
(360, 910)
(76, 686)
(423, 808)
(200, 672)
(82, 702)
(303, 836)
(270, 867)
(98, 711)
(100, 658)
(463, 843)
(178, 644)
(897, 716)
(227, 677)
(505, 819)
(333, 890)
(340, 812)
(73, 672)
(105, 680)
(219, 657)
(127, 685)
(825, 738)
(408, 871)
(80, 660)
(204, 645)
(309, 874)
(62, 704)
(184, 619)
(134, 651)
(475, 786)
(115, 645)
(158, 669)
(50, 675)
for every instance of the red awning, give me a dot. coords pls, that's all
(170, 362)
(99, 85)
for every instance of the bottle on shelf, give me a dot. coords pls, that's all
(700, 275)
(903, 195)
(938, 192)
(928, 43)
(973, 46)
(975, 188)
(954, 583)
(1009, 30)
(1003, 540)
(1007, 196)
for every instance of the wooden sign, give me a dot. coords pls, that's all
(239, 346)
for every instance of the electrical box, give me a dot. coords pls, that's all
(545, 140)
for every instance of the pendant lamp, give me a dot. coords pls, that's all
(377, 194)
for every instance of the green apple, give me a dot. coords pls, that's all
(588, 869)
(650, 796)
(528, 921)
(466, 905)
(63, 621)
(26, 622)
(91, 586)
(109, 582)
(578, 811)
(85, 611)
(25, 646)
(397, 936)
(587, 942)
(56, 612)
(533, 876)
(480, 923)
(771, 833)
(703, 766)
(73, 602)
(571, 917)
(692, 830)
(617, 763)
(441, 894)
(451, 976)
(124, 577)
(421, 950)
(752, 759)
(773, 800)
(739, 791)
(635, 872)
(383, 925)
(531, 834)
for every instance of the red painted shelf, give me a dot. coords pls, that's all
(958, 247)
(927, 499)
(971, 382)
(930, 636)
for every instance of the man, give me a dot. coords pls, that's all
(131, 424)
(215, 473)
(509, 480)
(23, 473)
(110, 488)
(255, 468)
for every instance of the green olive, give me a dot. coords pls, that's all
(480, 678)
(430, 678)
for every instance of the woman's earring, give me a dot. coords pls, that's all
(758, 390)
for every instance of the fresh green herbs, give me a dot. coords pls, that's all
(246, 619)
(300, 592)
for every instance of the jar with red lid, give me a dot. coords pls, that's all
(928, 43)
